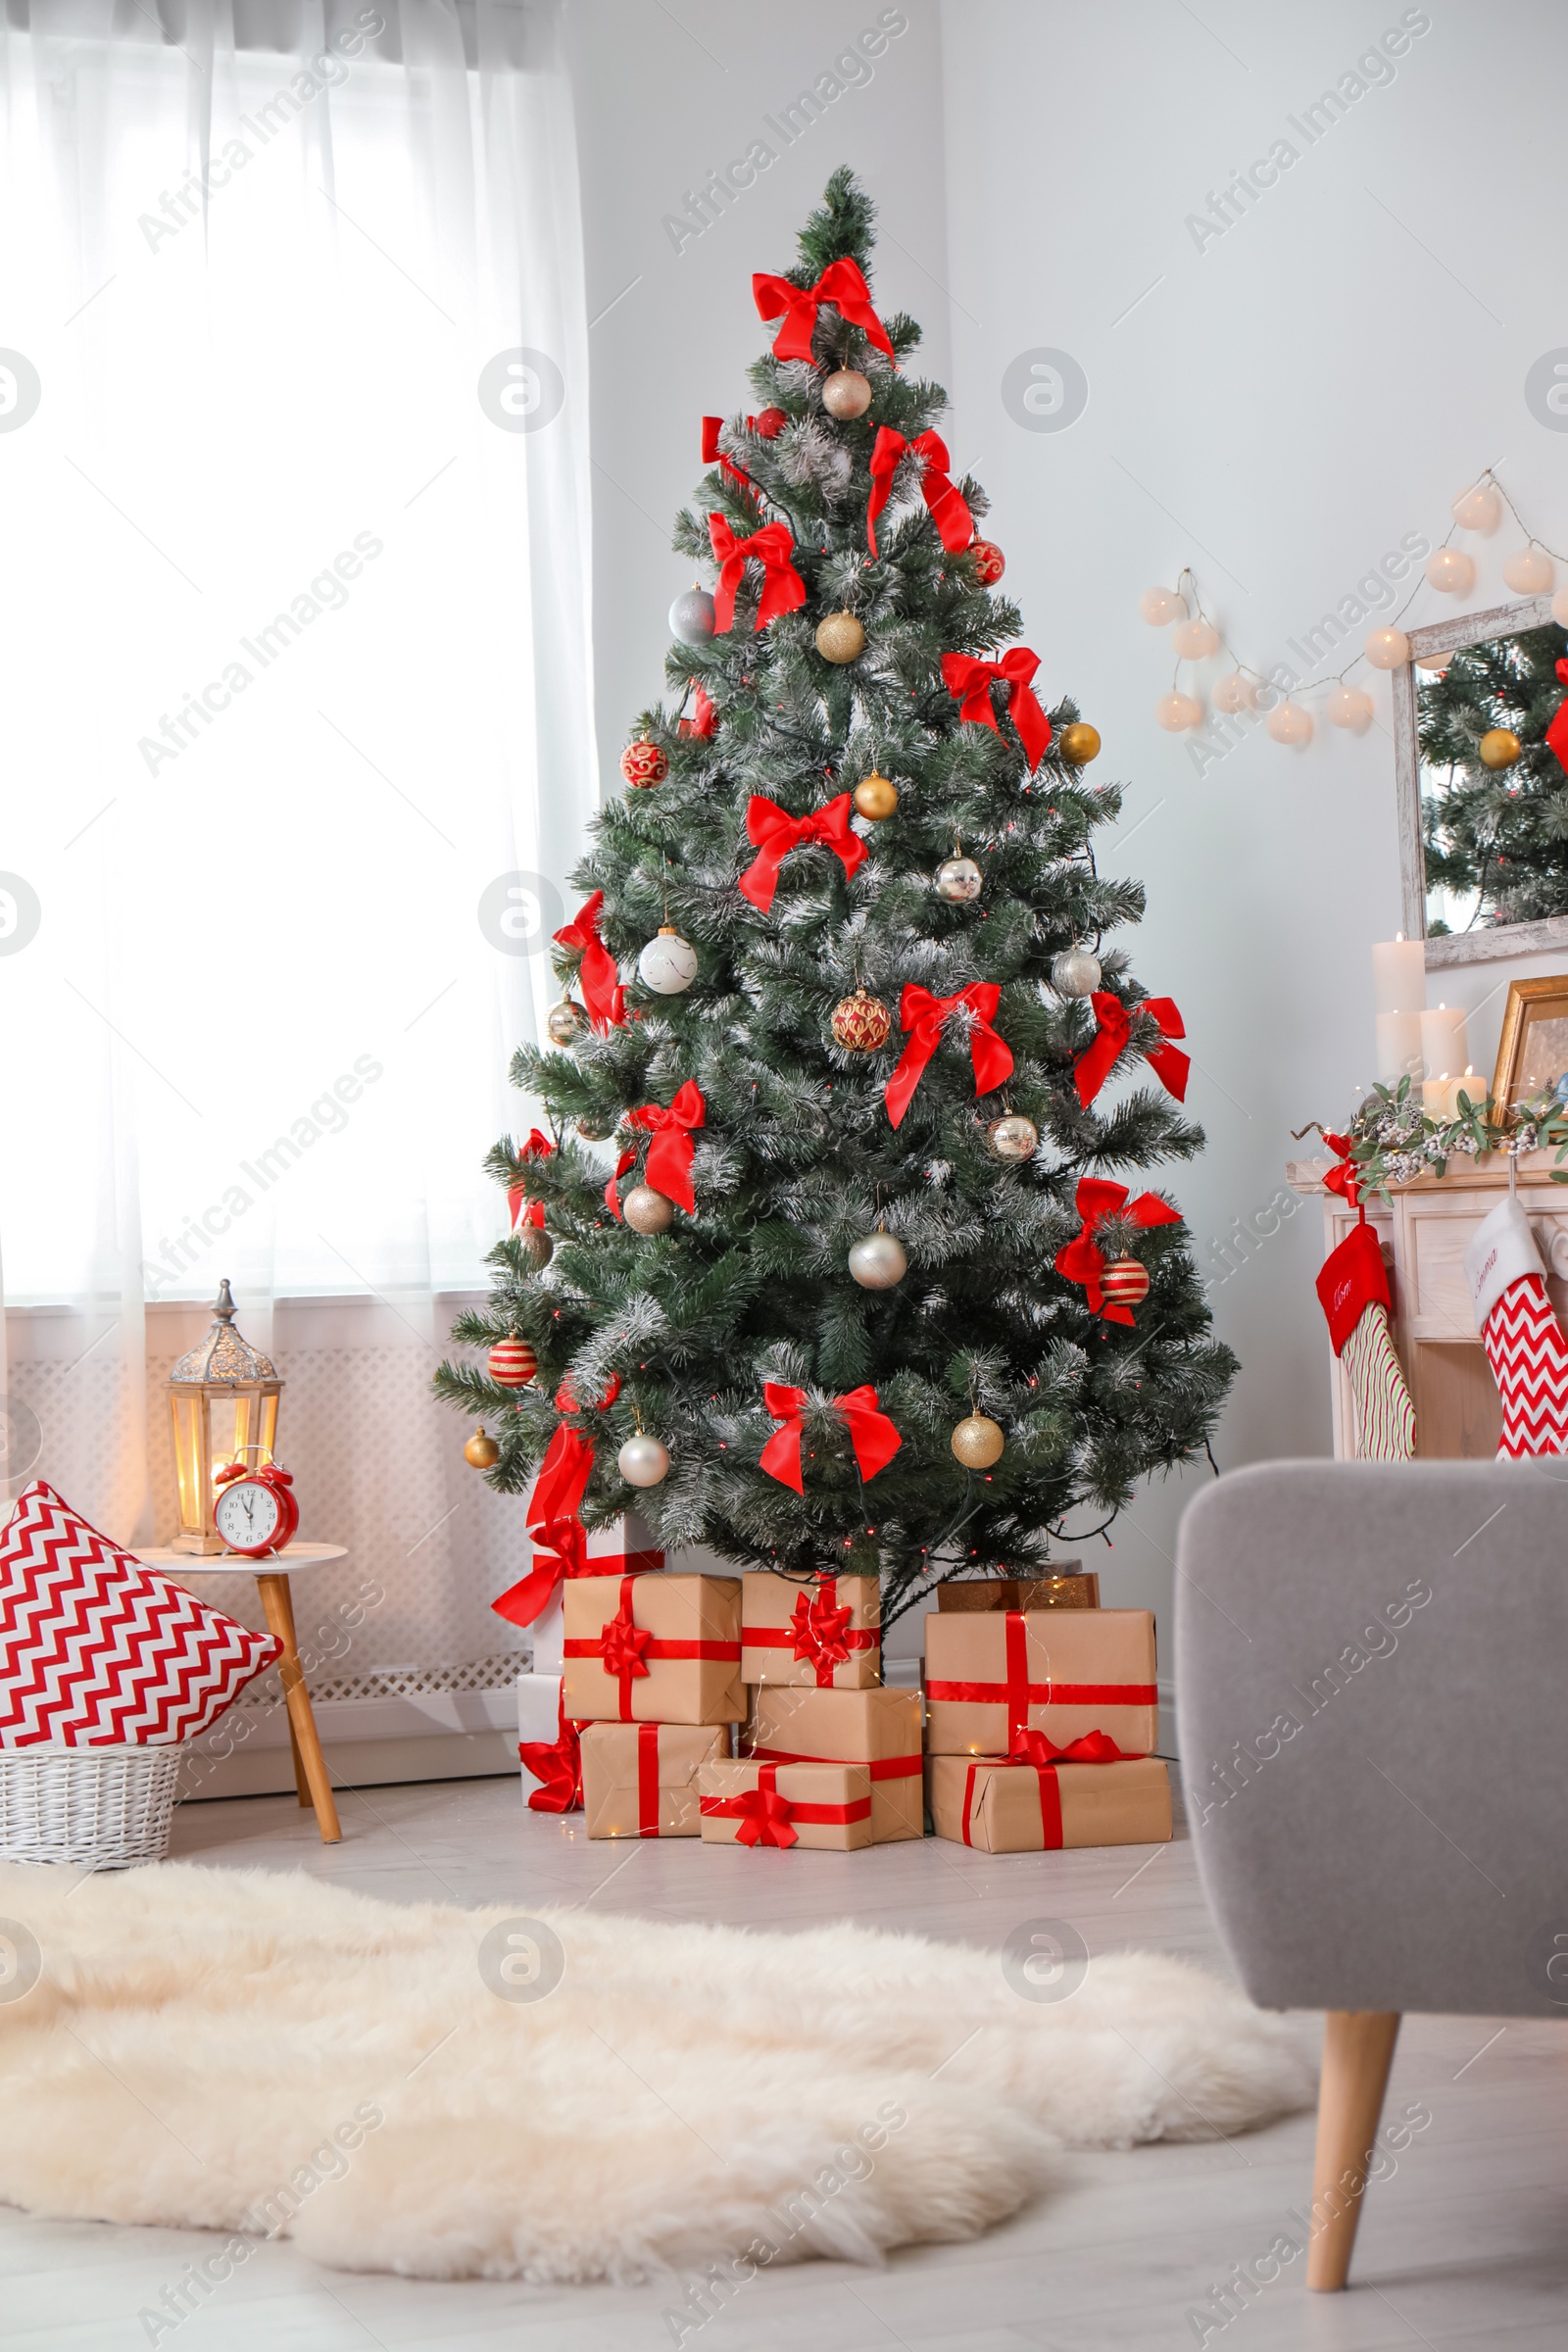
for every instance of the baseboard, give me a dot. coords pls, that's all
(369, 1743)
(365, 1764)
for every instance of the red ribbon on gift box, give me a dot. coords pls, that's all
(1095, 1062)
(818, 1632)
(952, 518)
(925, 1016)
(557, 1766)
(872, 1435)
(773, 833)
(1033, 1748)
(648, 1779)
(599, 972)
(773, 545)
(672, 1151)
(1017, 1693)
(625, 1649)
(768, 1819)
(969, 681)
(884, 1768)
(842, 283)
(1082, 1260)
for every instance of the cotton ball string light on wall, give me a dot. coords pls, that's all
(1288, 722)
(1478, 509)
(1176, 712)
(1196, 640)
(1451, 571)
(1388, 649)
(1161, 605)
(1233, 692)
(1528, 572)
(1349, 707)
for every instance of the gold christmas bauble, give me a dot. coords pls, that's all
(860, 1023)
(1079, 742)
(1012, 1138)
(1499, 747)
(566, 1022)
(536, 1244)
(481, 1449)
(594, 1131)
(978, 1442)
(840, 638)
(846, 394)
(875, 797)
(1125, 1281)
(646, 1210)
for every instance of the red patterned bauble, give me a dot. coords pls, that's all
(860, 1023)
(642, 762)
(989, 562)
(1125, 1281)
(513, 1363)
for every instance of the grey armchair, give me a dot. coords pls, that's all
(1370, 1666)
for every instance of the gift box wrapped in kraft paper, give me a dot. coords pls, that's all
(781, 1805)
(879, 1729)
(1005, 1806)
(657, 1648)
(1064, 1672)
(826, 1635)
(639, 1780)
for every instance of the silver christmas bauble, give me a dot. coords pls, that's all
(878, 1261)
(691, 616)
(1012, 1138)
(566, 1022)
(668, 963)
(958, 879)
(642, 1461)
(1075, 972)
(646, 1211)
(537, 1247)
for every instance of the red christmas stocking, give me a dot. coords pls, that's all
(1524, 1340)
(1354, 1293)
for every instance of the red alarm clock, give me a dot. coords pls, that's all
(256, 1512)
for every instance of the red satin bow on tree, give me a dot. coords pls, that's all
(842, 283)
(1094, 1064)
(773, 833)
(1093, 1748)
(704, 719)
(772, 546)
(1557, 732)
(872, 1436)
(969, 682)
(521, 1209)
(559, 1543)
(768, 427)
(558, 1765)
(597, 972)
(1080, 1259)
(925, 1016)
(952, 518)
(671, 1153)
(626, 1160)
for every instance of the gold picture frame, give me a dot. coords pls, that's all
(1533, 1049)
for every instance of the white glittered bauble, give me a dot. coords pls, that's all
(878, 1260)
(691, 616)
(1233, 692)
(1075, 972)
(1478, 509)
(668, 963)
(1174, 711)
(1388, 649)
(1012, 1138)
(1349, 706)
(1290, 723)
(1528, 572)
(1451, 571)
(642, 1461)
(645, 1210)
(958, 879)
(1159, 605)
(1196, 640)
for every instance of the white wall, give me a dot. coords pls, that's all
(1278, 410)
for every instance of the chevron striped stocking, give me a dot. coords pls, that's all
(1529, 1358)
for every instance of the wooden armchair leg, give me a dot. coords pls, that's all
(1357, 2052)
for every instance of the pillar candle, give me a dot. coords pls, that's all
(1444, 1046)
(1398, 974)
(1437, 1097)
(1398, 1047)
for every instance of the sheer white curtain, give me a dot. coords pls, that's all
(296, 737)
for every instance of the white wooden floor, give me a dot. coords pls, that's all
(1465, 2250)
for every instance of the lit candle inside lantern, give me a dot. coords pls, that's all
(1443, 1042)
(1398, 974)
(1398, 1047)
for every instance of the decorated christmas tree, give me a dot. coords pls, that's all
(1494, 797)
(860, 1283)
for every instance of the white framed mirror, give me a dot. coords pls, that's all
(1472, 939)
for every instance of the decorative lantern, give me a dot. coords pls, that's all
(227, 1373)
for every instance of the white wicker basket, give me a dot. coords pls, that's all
(97, 1808)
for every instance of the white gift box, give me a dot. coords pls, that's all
(538, 1714)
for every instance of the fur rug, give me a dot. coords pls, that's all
(259, 2052)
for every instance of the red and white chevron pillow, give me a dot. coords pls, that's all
(96, 1649)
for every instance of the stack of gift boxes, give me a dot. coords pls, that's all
(1039, 1719)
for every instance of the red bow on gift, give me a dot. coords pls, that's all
(704, 720)
(521, 1209)
(1080, 1259)
(597, 972)
(1094, 1748)
(818, 1629)
(773, 833)
(672, 1151)
(872, 1435)
(772, 546)
(841, 283)
(621, 1643)
(764, 1815)
(559, 1543)
(952, 518)
(971, 681)
(1094, 1064)
(925, 1016)
(558, 1765)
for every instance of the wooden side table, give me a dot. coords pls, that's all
(271, 1573)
